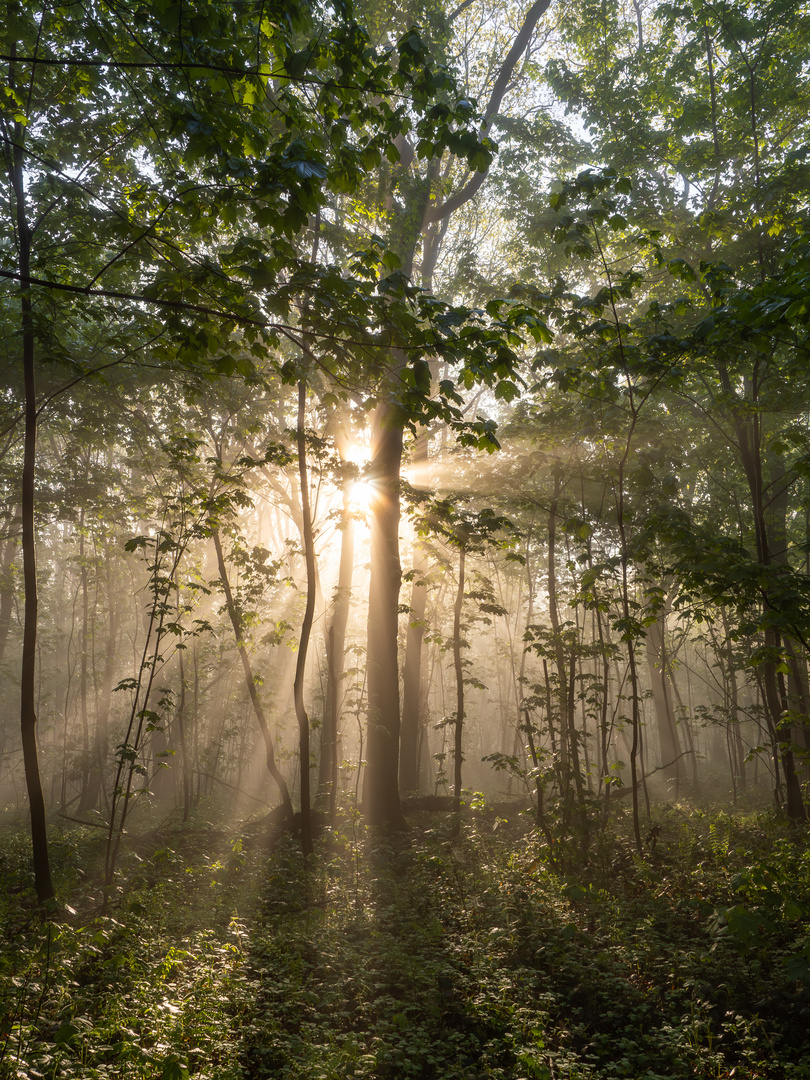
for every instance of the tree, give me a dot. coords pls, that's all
(420, 215)
(209, 132)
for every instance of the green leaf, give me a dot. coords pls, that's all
(306, 169)
(173, 1069)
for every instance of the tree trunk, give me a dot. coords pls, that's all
(423, 218)
(335, 659)
(749, 439)
(236, 623)
(664, 713)
(733, 704)
(562, 681)
(569, 739)
(459, 724)
(7, 584)
(180, 718)
(381, 788)
(83, 665)
(412, 674)
(28, 716)
(306, 626)
(776, 513)
(92, 793)
(630, 636)
(330, 742)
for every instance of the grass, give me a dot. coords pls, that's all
(417, 956)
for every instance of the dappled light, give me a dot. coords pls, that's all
(405, 541)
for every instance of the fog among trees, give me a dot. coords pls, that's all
(404, 420)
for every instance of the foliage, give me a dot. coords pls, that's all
(419, 957)
(227, 200)
(145, 985)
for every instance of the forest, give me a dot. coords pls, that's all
(405, 540)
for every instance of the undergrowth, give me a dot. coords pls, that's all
(420, 956)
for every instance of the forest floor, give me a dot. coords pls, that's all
(419, 956)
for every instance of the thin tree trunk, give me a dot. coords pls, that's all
(335, 660)
(569, 739)
(306, 626)
(635, 718)
(236, 623)
(28, 716)
(83, 672)
(6, 586)
(156, 616)
(718, 162)
(555, 756)
(185, 764)
(412, 674)
(734, 704)
(459, 724)
(562, 682)
(668, 738)
(95, 778)
(328, 763)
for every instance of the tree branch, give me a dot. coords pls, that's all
(519, 46)
(451, 18)
(112, 294)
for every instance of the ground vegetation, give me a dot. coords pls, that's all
(405, 539)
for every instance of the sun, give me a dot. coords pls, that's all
(361, 491)
(356, 453)
(361, 494)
